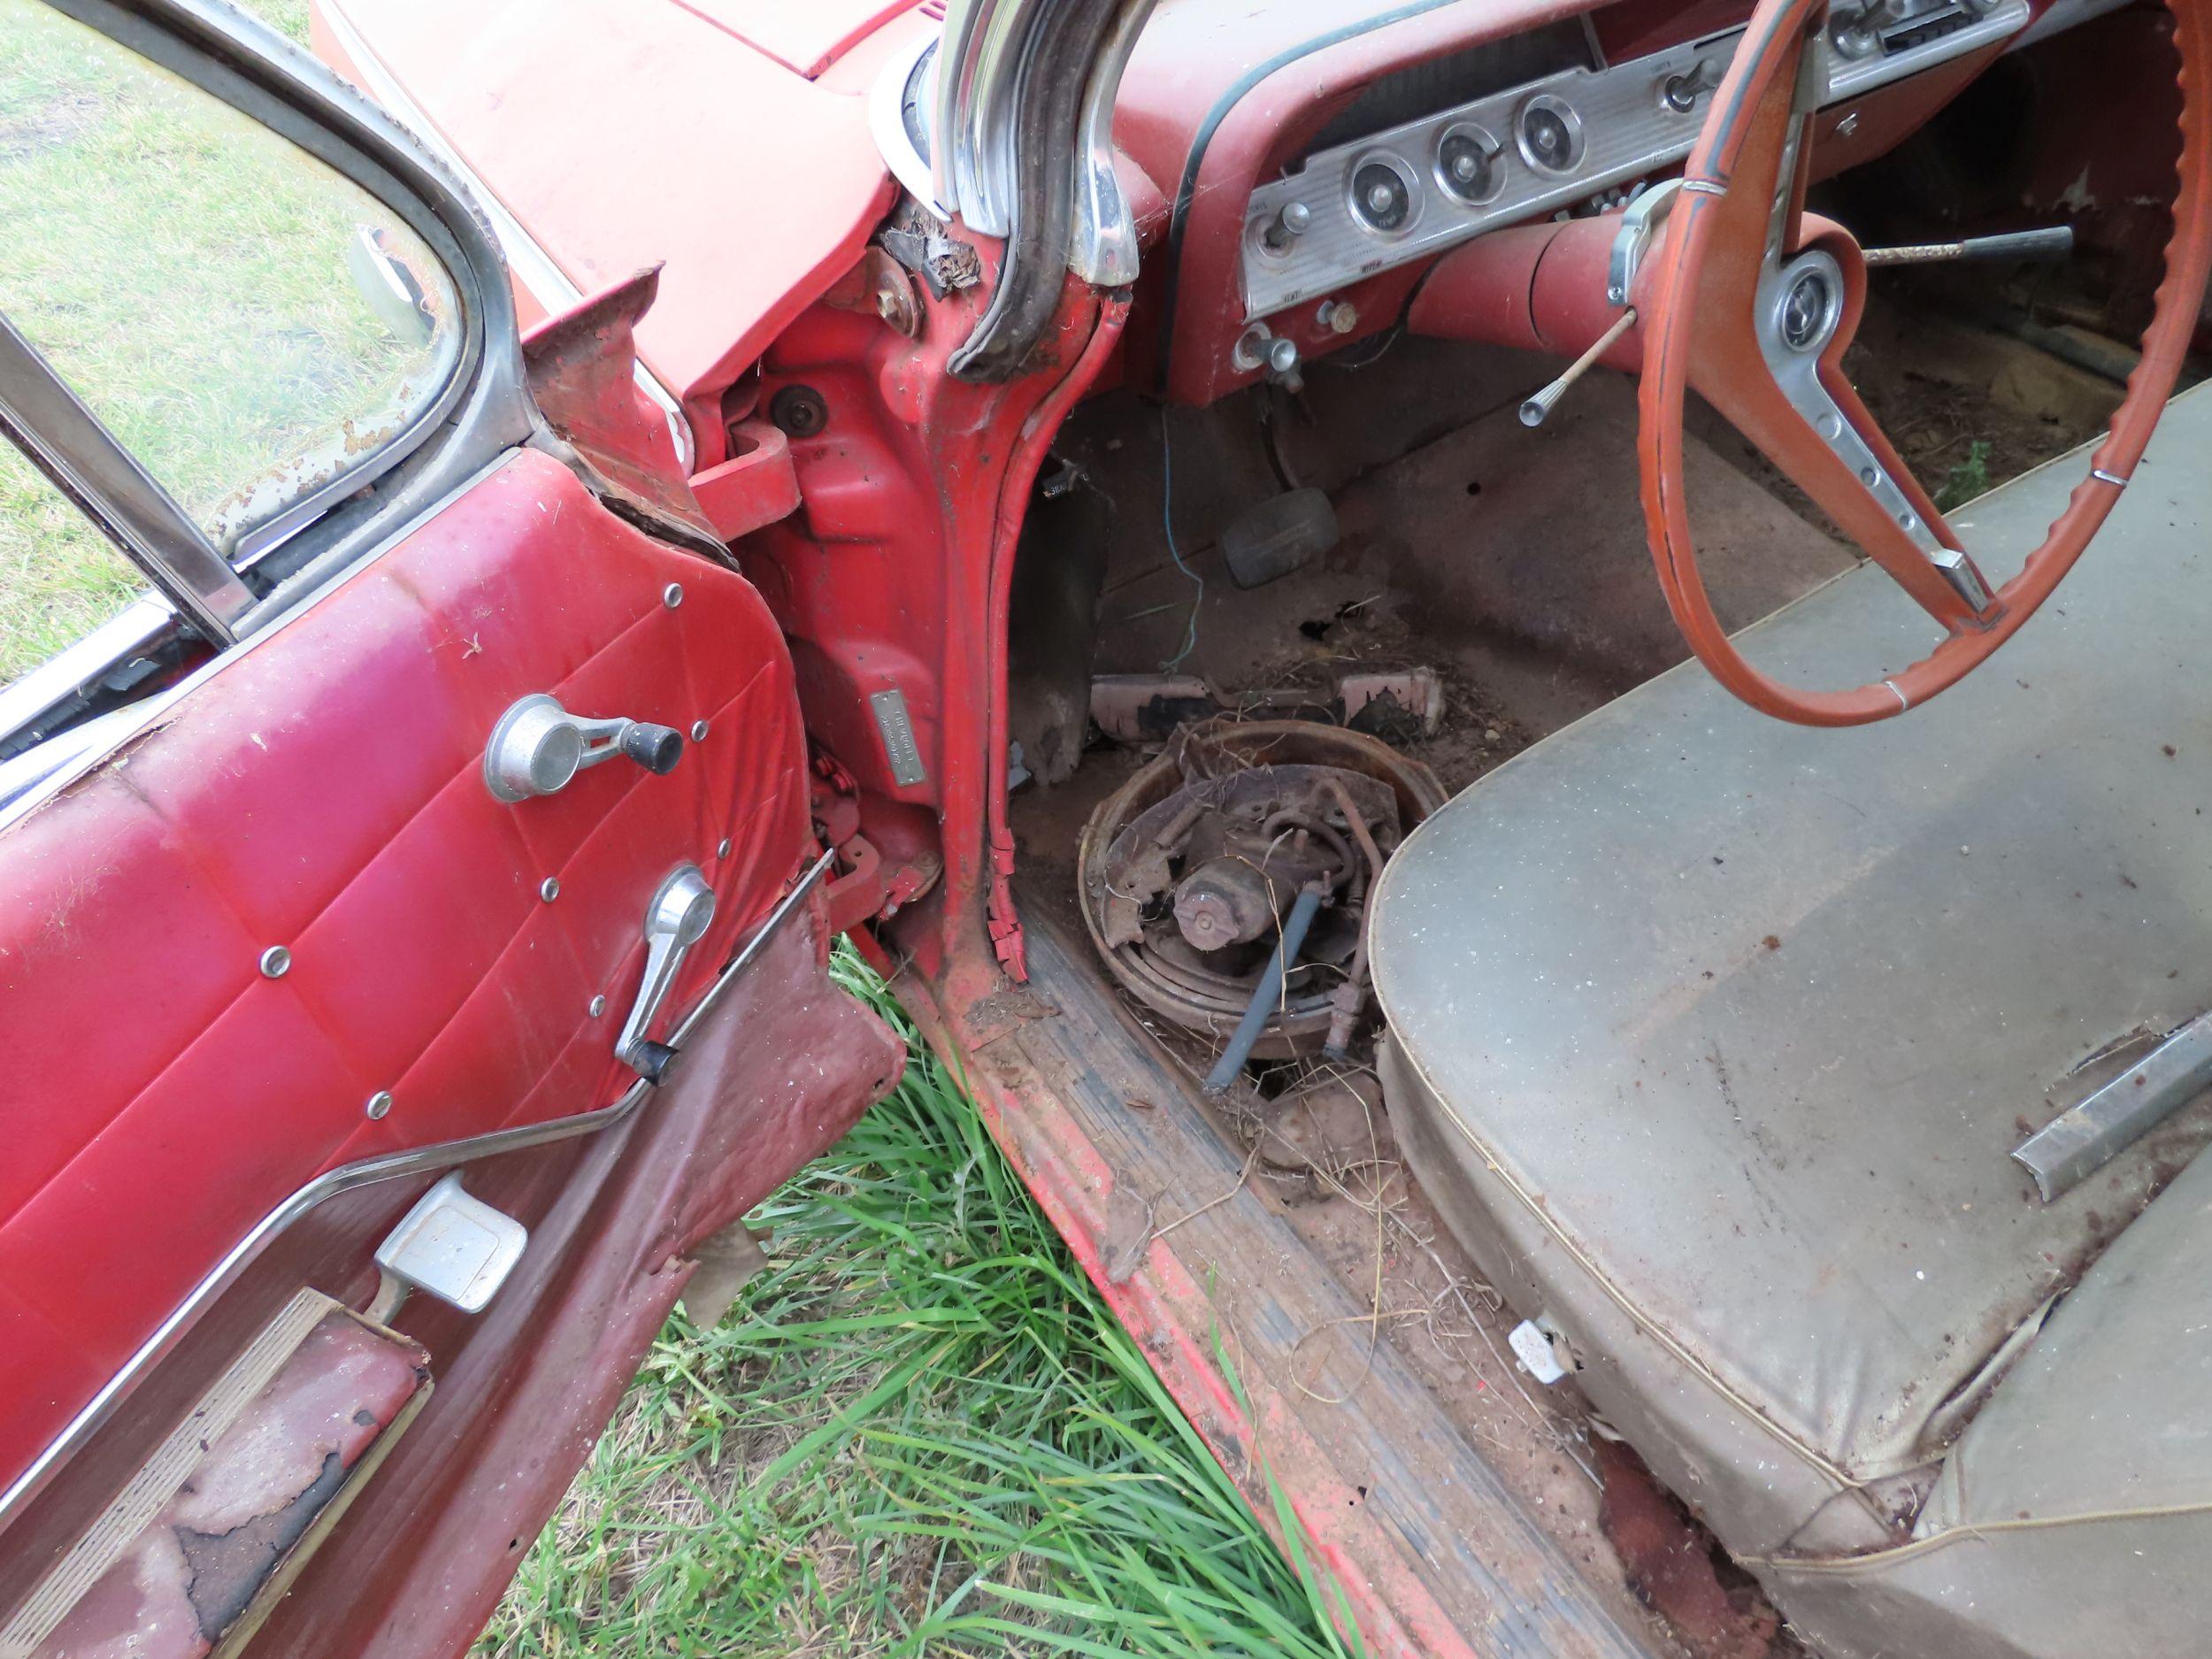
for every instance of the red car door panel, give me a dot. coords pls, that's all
(322, 791)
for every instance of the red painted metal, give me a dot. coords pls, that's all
(914, 490)
(1257, 1439)
(625, 135)
(1539, 287)
(581, 372)
(805, 39)
(323, 792)
(756, 486)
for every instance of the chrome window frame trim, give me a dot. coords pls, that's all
(367, 1172)
(44, 417)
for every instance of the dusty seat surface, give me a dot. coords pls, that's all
(1712, 1035)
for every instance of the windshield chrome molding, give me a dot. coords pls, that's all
(368, 1172)
(1021, 147)
(1022, 130)
(65, 441)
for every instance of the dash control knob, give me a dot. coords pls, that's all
(1288, 226)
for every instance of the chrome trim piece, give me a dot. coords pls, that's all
(1796, 371)
(677, 919)
(2113, 479)
(895, 727)
(453, 1245)
(350, 1177)
(1640, 222)
(1704, 186)
(1102, 242)
(975, 88)
(905, 83)
(66, 442)
(1628, 130)
(2083, 1139)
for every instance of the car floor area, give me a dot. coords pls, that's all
(1511, 564)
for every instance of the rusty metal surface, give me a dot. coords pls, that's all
(582, 367)
(1432, 1555)
(1671, 1566)
(1188, 868)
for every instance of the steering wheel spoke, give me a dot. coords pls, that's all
(1803, 415)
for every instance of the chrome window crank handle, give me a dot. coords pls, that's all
(538, 746)
(681, 910)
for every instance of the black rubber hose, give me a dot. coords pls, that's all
(1264, 997)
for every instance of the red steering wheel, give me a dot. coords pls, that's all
(1751, 302)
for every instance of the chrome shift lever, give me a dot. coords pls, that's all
(681, 910)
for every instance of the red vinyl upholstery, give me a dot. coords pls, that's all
(322, 791)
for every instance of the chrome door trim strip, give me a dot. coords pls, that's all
(351, 1177)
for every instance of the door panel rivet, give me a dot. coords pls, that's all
(698, 731)
(276, 962)
(723, 851)
(598, 1006)
(672, 594)
(549, 889)
(380, 1102)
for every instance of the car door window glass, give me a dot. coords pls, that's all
(253, 324)
(59, 577)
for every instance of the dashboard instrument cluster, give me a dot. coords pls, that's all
(1360, 204)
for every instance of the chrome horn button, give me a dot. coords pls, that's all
(1808, 304)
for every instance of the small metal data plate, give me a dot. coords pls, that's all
(899, 746)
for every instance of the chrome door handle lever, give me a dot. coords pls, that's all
(538, 746)
(681, 910)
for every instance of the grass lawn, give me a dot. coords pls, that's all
(920, 1430)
